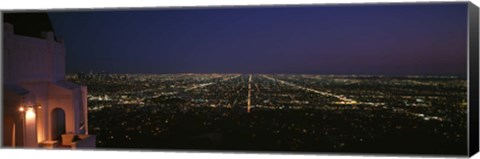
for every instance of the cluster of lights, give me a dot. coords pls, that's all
(29, 111)
(28, 108)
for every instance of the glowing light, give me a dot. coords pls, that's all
(21, 109)
(30, 114)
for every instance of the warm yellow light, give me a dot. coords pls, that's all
(30, 114)
(21, 109)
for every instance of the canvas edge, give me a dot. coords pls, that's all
(473, 81)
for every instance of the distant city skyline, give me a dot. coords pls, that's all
(389, 39)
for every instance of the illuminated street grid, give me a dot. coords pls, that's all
(315, 113)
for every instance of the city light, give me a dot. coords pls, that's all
(289, 111)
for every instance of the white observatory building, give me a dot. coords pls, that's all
(40, 107)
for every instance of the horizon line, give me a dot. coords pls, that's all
(322, 74)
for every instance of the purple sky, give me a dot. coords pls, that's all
(421, 39)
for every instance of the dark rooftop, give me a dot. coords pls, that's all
(29, 24)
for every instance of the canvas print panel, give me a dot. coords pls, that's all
(377, 78)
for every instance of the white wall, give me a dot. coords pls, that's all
(37, 64)
(32, 59)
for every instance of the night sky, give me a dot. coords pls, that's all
(406, 39)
